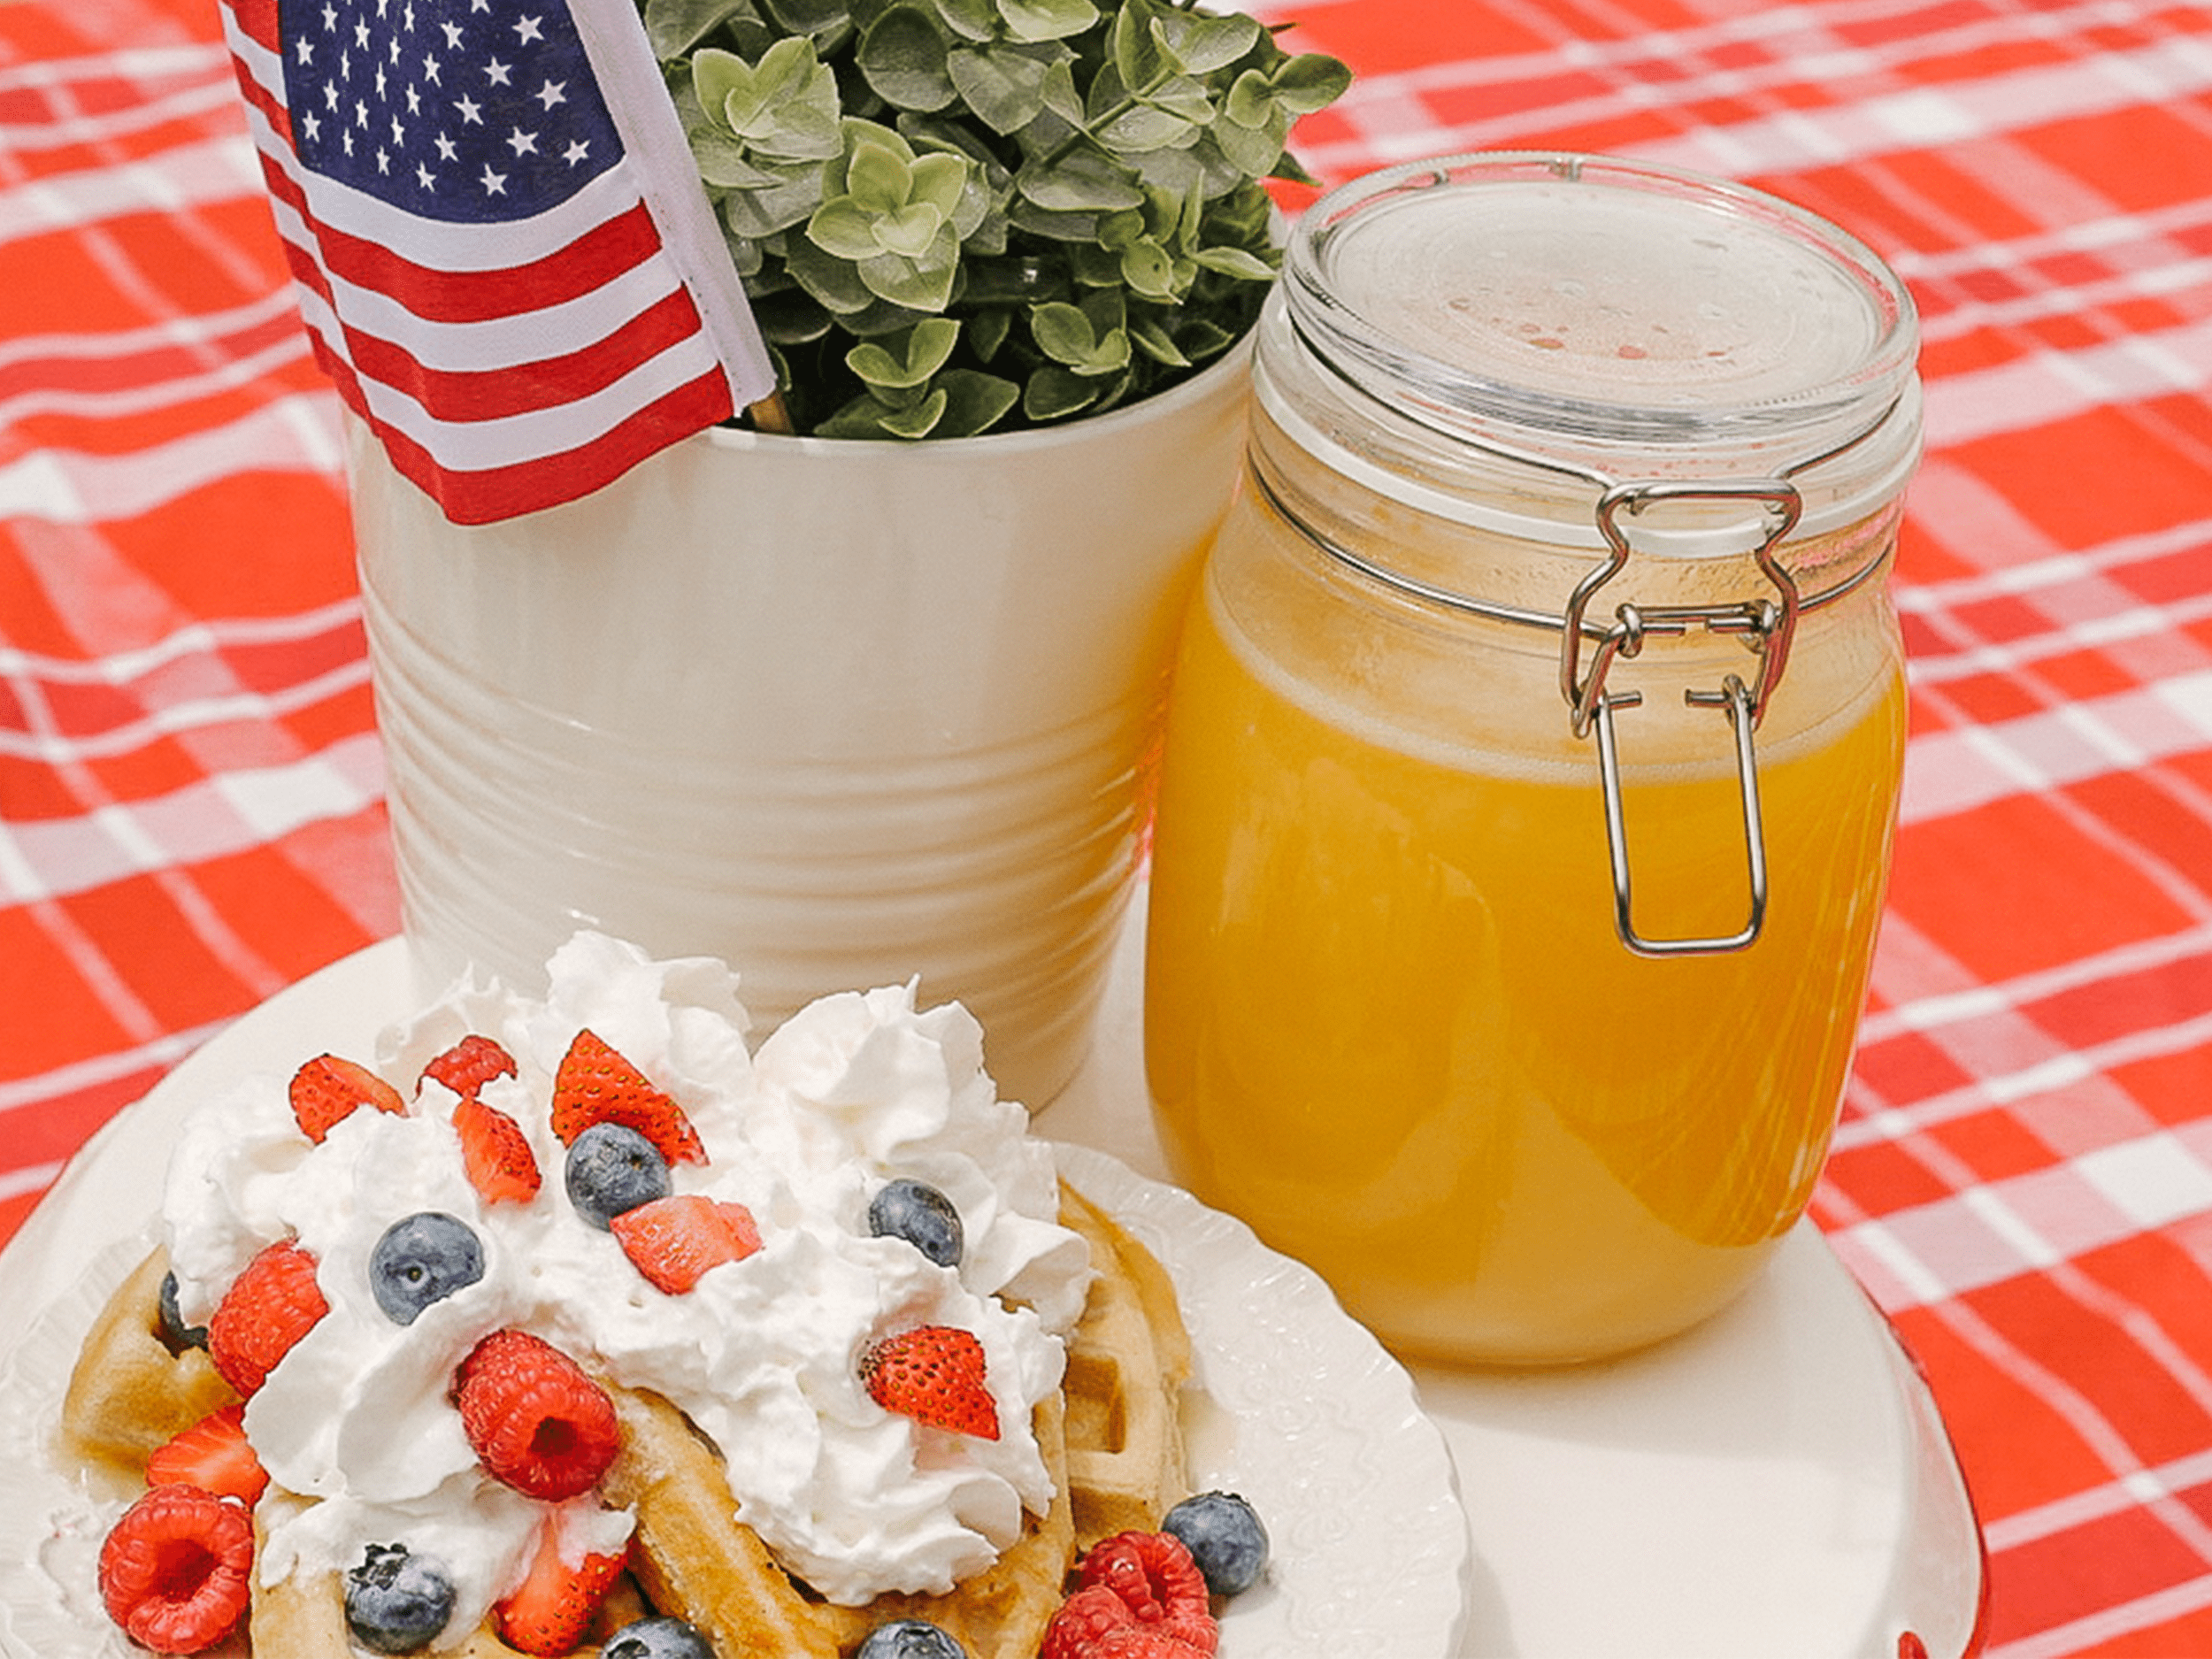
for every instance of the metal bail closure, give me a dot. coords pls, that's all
(1766, 627)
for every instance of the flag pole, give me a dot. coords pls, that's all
(769, 414)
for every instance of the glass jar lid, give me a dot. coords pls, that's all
(1613, 317)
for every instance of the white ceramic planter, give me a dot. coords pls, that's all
(843, 713)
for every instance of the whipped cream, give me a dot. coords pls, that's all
(762, 1354)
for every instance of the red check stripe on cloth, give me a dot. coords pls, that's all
(190, 812)
(2023, 1173)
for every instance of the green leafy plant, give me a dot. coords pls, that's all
(960, 216)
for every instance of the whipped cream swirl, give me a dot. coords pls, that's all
(762, 1354)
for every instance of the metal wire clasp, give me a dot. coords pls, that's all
(1766, 627)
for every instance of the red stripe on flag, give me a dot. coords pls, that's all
(502, 493)
(257, 22)
(591, 261)
(492, 394)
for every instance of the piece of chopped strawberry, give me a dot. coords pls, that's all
(468, 1065)
(934, 1374)
(496, 1154)
(674, 1241)
(595, 1085)
(266, 1311)
(213, 1454)
(535, 1420)
(1153, 1574)
(550, 1609)
(176, 1570)
(328, 1090)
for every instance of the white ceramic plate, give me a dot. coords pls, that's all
(1311, 1419)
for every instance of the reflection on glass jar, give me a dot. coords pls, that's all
(1531, 766)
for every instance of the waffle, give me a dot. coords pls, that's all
(1111, 1439)
(128, 1394)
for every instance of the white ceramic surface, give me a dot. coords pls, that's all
(905, 692)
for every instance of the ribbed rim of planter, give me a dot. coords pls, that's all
(1199, 389)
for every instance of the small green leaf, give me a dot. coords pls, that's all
(920, 282)
(1083, 180)
(902, 57)
(969, 20)
(877, 178)
(1236, 262)
(1054, 394)
(1005, 88)
(921, 419)
(1047, 19)
(843, 226)
(1063, 332)
(1310, 81)
(1200, 44)
(674, 27)
(832, 281)
(938, 180)
(1147, 268)
(1156, 343)
(910, 230)
(774, 204)
(816, 18)
(1143, 127)
(908, 359)
(975, 402)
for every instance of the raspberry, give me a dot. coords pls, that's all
(176, 1570)
(1153, 1576)
(267, 1309)
(535, 1420)
(1081, 1620)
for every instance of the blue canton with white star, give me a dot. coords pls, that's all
(476, 111)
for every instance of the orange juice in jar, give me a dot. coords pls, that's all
(1531, 769)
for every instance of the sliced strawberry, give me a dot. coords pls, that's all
(214, 1455)
(933, 1373)
(266, 1311)
(595, 1085)
(535, 1420)
(176, 1571)
(674, 1241)
(468, 1065)
(553, 1606)
(328, 1089)
(496, 1154)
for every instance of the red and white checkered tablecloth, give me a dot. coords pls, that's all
(189, 776)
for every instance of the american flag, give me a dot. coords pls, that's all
(503, 254)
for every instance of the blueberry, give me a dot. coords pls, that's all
(176, 1335)
(909, 1639)
(1225, 1538)
(396, 1601)
(656, 1639)
(423, 1258)
(611, 1170)
(922, 1216)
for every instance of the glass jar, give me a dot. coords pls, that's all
(1532, 767)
